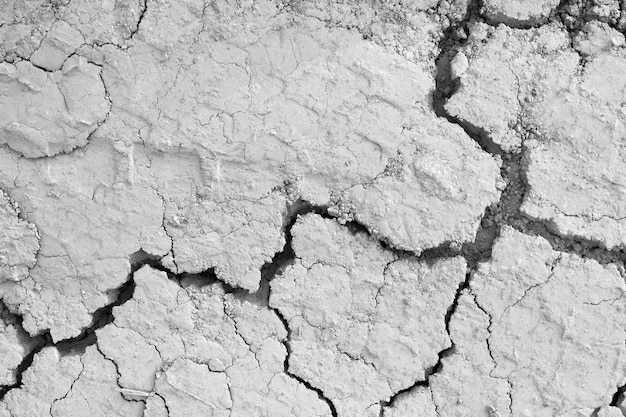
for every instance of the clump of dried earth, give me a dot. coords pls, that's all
(304, 208)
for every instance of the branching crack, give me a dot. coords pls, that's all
(319, 392)
(278, 264)
(144, 9)
(507, 211)
(100, 318)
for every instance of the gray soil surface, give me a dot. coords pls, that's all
(383, 208)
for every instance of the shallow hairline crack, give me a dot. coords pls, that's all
(555, 263)
(270, 270)
(308, 385)
(71, 386)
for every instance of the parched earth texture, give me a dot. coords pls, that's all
(381, 208)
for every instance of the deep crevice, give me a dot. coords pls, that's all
(618, 397)
(287, 255)
(507, 211)
(287, 345)
(513, 169)
(87, 337)
(139, 20)
(39, 343)
(274, 268)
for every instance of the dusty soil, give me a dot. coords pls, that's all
(307, 208)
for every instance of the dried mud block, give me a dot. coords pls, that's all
(438, 191)
(48, 379)
(501, 64)
(465, 386)
(60, 42)
(233, 237)
(521, 13)
(580, 130)
(194, 346)
(95, 390)
(44, 114)
(363, 324)
(15, 345)
(333, 118)
(71, 385)
(89, 225)
(19, 242)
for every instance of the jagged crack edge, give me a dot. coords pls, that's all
(277, 265)
(87, 337)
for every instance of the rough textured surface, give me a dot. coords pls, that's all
(366, 136)
(571, 122)
(543, 339)
(374, 324)
(179, 337)
(220, 110)
(519, 12)
(525, 342)
(15, 346)
(590, 152)
(465, 386)
(44, 114)
(312, 208)
(49, 379)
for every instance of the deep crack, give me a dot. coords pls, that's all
(100, 318)
(618, 397)
(507, 211)
(139, 20)
(278, 264)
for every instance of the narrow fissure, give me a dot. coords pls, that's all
(274, 268)
(100, 318)
(23, 366)
(507, 211)
(144, 9)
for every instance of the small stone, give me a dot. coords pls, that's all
(459, 65)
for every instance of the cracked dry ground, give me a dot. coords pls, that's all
(312, 208)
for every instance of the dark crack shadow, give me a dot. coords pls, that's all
(87, 337)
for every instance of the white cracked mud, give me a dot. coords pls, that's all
(304, 208)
